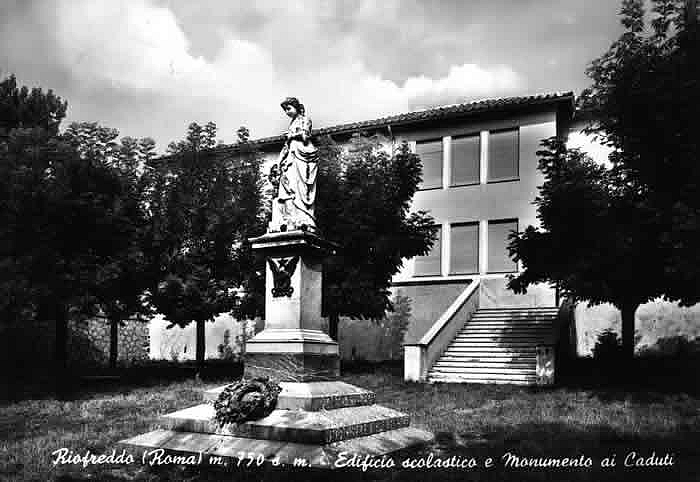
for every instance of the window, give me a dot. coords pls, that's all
(498, 259)
(431, 263)
(503, 155)
(464, 248)
(465, 155)
(430, 153)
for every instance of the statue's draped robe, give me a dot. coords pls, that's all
(298, 168)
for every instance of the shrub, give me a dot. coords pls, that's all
(608, 346)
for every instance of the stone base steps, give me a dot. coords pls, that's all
(313, 396)
(497, 345)
(312, 427)
(230, 448)
(314, 421)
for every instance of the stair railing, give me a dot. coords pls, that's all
(551, 355)
(419, 357)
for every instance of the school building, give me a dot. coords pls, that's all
(480, 179)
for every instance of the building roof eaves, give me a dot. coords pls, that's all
(444, 112)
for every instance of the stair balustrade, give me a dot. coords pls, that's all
(419, 357)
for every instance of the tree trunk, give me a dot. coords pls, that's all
(691, 14)
(113, 342)
(391, 346)
(61, 353)
(333, 321)
(628, 311)
(201, 344)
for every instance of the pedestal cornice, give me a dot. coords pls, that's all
(298, 240)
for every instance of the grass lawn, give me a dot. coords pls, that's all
(469, 421)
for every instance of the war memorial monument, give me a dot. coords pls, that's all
(316, 417)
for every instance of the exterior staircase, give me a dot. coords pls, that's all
(497, 345)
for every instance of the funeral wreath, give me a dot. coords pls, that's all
(246, 400)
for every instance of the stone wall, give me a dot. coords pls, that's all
(29, 347)
(88, 342)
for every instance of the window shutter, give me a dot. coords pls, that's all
(466, 155)
(430, 153)
(503, 155)
(430, 264)
(464, 248)
(498, 259)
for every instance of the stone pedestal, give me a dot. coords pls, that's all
(293, 346)
(316, 417)
(312, 425)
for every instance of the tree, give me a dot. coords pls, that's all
(629, 233)
(366, 209)
(70, 215)
(363, 205)
(22, 108)
(64, 221)
(122, 280)
(203, 209)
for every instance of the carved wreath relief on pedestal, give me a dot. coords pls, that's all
(282, 272)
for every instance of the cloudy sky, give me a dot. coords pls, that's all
(150, 67)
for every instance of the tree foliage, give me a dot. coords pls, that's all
(628, 233)
(646, 100)
(363, 204)
(365, 207)
(593, 239)
(123, 278)
(70, 225)
(24, 108)
(72, 216)
(204, 206)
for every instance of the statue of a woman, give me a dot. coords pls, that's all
(298, 165)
